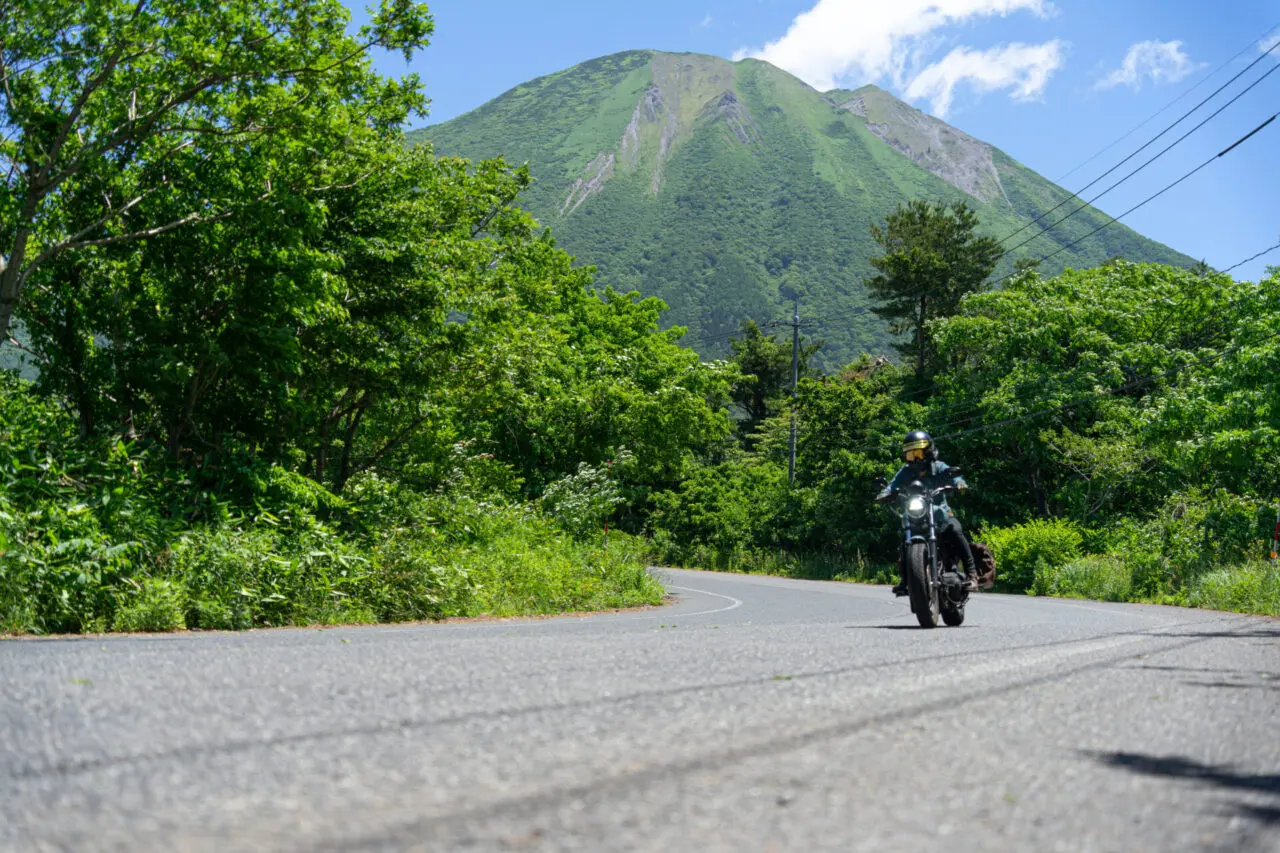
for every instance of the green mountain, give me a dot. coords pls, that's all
(731, 188)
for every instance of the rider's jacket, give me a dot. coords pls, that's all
(932, 475)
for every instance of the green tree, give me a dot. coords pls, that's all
(765, 365)
(931, 259)
(437, 265)
(118, 113)
(590, 374)
(1103, 391)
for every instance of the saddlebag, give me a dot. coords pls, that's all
(986, 564)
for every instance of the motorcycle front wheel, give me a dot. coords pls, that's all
(923, 603)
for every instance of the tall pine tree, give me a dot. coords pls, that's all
(931, 260)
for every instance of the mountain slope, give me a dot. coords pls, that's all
(730, 188)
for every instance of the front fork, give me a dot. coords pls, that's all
(931, 552)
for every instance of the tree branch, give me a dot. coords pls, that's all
(392, 444)
(18, 345)
(42, 177)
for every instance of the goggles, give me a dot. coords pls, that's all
(914, 452)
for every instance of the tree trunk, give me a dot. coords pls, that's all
(322, 452)
(920, 338)
(11, 278)
(1036, 485)
(73, 347)
(200, 382)
(348, 441)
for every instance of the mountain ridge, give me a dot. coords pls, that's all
(731, 188)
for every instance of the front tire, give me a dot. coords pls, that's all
(924, 605)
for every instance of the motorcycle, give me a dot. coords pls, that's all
(935, 578)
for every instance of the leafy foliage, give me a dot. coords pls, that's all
(1029, 554)
(290, 369)
(1103, 577)
(88, 543)
(582, 501)
(765, 364)
(931, 260)
(125, 120)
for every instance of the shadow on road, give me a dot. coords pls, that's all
(1243, 634)
(1243, 685)
(1217, 776)
(1211, 670)
(1212, 677)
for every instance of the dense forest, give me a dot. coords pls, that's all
(288, 369)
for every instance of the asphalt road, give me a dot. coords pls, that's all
(754, 714)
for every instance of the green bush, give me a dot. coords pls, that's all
(415, 577)
(245, 575)
(581, 502)
(1249, 588)
(1202, 533)
(1038, 547)
(727, 508)
(1100, 577)
(531, 567)
(1139, 546)
(1189, 536)
(156, 605)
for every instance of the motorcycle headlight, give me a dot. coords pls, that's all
(915, 507)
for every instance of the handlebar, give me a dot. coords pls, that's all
(929, 494)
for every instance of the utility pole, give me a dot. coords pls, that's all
(1275, 541)
(795, 382)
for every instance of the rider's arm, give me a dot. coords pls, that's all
(956, 479)
(893, 486)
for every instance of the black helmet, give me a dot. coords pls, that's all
(918, 446)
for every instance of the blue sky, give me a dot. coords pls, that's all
(1050, 83)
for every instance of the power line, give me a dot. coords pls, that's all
(1248, 47)
(725, 336)
(835, 430)
(1161, 153)
(1155, 195)
(1266, 251)
(1108, 223)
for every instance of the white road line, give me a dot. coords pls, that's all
(737, 602)
(667, 613)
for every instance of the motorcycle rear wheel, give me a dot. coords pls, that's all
(924, 605)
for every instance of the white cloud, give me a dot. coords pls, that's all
(706, 22)
(1157, 61)
(872, 39)
(1268, 43)
(1023, 68)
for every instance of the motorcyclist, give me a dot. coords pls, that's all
(922, 463)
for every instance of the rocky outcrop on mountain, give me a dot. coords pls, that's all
(951, 154)
(598, 171)
(737, 116)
